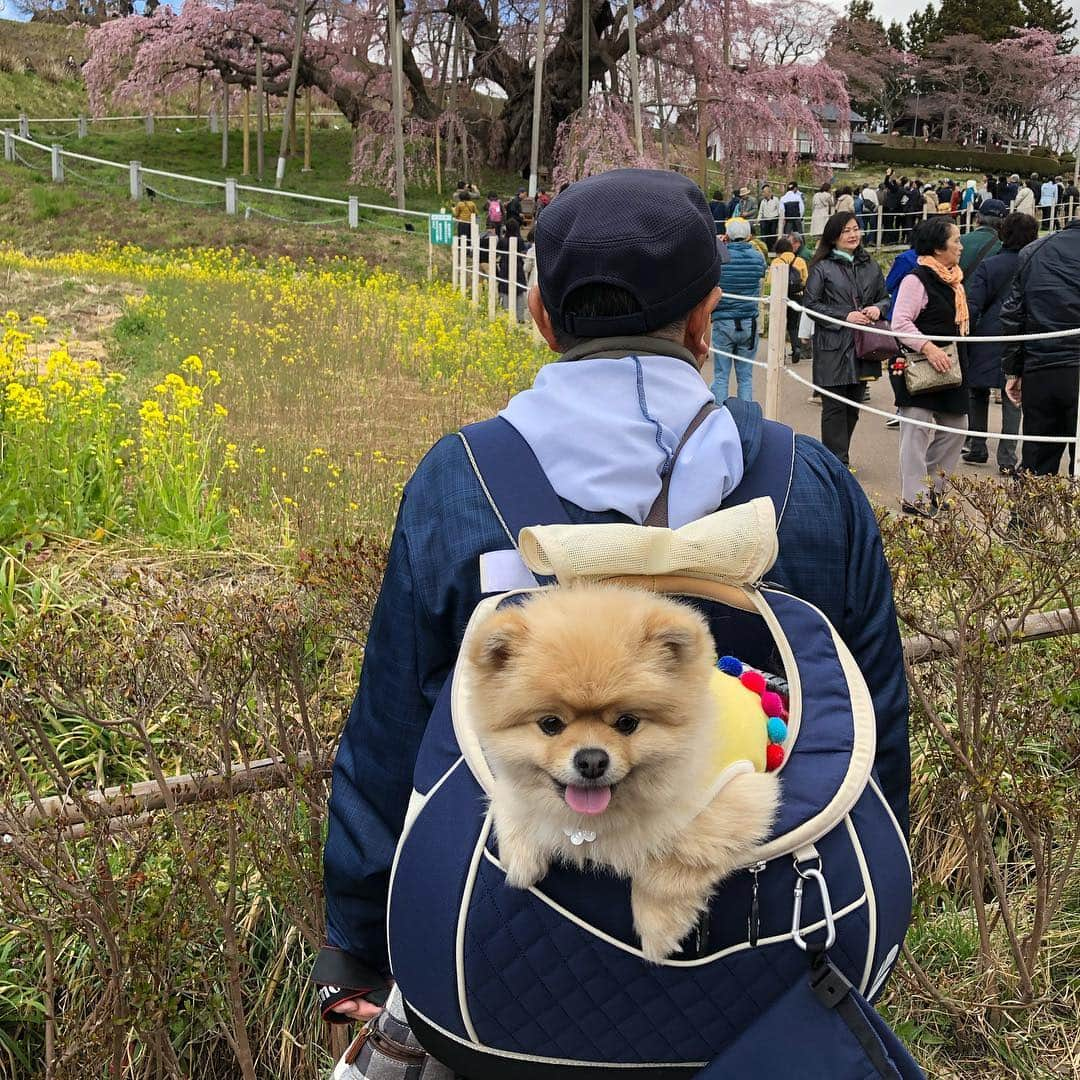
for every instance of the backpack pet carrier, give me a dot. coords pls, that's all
(549, 983)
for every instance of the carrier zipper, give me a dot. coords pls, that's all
(753, 923)
(701, 938)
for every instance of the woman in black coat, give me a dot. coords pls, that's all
(986, 292)
(846, 283)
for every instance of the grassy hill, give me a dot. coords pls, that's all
(33, 78)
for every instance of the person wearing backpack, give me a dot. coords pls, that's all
(797, 273)
(494, 212)
(984, 241)
(627, 271)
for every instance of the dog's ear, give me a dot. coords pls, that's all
(679, 637)
(498, 640)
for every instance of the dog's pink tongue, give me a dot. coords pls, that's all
(588, 800)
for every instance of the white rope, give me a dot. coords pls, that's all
(925, 423)
(28, 164)
(69, 171)
(249, 210)
(179, 199)
(742, 359)
(819, 316)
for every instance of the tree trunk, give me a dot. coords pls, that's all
(290, 97)
(397, 94)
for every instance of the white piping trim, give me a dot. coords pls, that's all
(484, 487)
(791, 477)
(699, 961)
(896, 826)
(463, 911)
(862, 752)
(556, 1061)
(417, 802)
(871, 905)
(467, 739)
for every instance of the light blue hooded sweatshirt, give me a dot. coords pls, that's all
(605, 430)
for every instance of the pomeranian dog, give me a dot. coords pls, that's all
(594, 709)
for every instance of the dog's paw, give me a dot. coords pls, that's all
(657, 947)
(525, 869)
(660, 927)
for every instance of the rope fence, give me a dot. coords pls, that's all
(467, 278)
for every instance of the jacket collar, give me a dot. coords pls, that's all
(615, 348)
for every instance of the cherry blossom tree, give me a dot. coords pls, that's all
(598, 138)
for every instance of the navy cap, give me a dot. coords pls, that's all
(648, 231)
(993, 208)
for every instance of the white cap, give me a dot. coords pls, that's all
(738, 228)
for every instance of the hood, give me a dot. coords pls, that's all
(605, 430)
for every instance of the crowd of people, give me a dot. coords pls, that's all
(1051, 200)
(513, 219)
(997, 279)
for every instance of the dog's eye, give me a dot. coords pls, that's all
(627, 724)
(551, 725)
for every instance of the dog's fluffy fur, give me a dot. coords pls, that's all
(589, 655)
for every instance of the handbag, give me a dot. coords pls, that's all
(921, 377)
(386, 1049)
(873, 350)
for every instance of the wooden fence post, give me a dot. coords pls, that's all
(454, 263)
(778, 286)
(149, 122)
(9, 144)
(57, 164)
(880, 226)
(24, 125)
(354, 212)
(230, 195)
(135, 180)
(83, 127)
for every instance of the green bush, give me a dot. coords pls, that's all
(966, 158)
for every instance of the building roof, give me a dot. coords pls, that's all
(830, 113)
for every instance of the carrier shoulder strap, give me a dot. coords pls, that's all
(522, 496)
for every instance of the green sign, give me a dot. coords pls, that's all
(441, 229)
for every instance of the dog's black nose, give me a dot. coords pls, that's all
(591, 763)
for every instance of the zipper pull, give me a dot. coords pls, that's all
(701, 939)
(753, 922)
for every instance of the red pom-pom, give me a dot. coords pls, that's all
(772, 703)
(774, 757)
(753, 680)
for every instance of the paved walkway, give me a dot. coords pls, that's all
(875, 449)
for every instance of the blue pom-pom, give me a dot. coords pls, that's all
(777, 729)
(729, 665)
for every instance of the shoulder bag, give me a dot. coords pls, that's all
(921, 377)
(873, 350)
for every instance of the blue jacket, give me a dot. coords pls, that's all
(741, 274)
(830, 554)
(902, 265)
